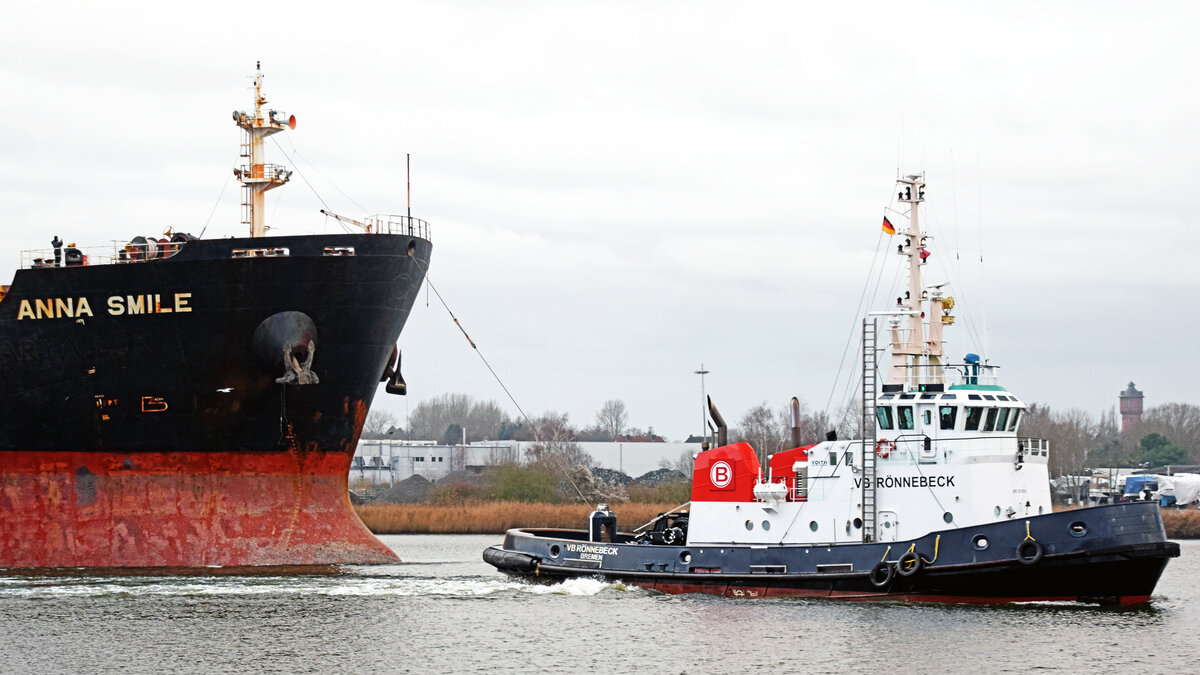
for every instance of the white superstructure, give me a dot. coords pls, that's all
(942, 450)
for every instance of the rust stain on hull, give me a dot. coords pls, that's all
(99, 509)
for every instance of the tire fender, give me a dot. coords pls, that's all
(1030, 552)
(881, 574)
(909, 564)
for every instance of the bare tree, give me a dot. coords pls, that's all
(612, 418)
(588, 488)
(431, 417)
(555, 448)
(481, 420)
(552, 435)
(592, 433)
(484, 420)
(849, 421)
(1179, 422)
(761, 428)
(378, 423)
(685, 463)
(1073, 435)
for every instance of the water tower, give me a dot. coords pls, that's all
(1131, 408)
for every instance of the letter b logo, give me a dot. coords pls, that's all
(721, 475)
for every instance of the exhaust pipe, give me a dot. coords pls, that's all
(722, 430)
(795, 422)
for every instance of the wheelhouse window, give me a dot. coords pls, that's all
(884, 413)
(1002, 420)
(989, 424)
(904, 417)
(1012, 420)
(948, 415)
(974, 415)
(927, 417)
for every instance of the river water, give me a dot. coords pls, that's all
(445, 611)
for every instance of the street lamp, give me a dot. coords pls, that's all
(703, 402)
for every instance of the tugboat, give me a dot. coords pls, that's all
(181, 402)
(939, 500)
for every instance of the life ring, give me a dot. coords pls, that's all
(881, 574)
(884, 447)
(909, 564)
(1030, 552)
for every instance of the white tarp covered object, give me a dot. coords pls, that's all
(1184, 487)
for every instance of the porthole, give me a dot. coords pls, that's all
(749, 524)
(980, 542)
(997, 511)
(1077, 528)
(813, 526)
(887, 524)
(858, 523)
(554, 551)
(948, 517)
(766, 525)
(1041, 510)
(685, 557)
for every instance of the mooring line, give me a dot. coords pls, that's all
(474, 346)
(532, 427)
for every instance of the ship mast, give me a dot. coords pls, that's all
(917, 350)
(257, 177)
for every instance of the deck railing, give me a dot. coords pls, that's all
(393, 224)
(948, 373)
(119, 252)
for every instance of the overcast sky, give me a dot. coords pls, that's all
(620, 191)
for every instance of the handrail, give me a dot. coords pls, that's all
(119, 252)
(396, 224)
(920, 438)
(665, 513)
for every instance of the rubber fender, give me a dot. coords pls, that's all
(1030, 552)
(881, 574)
(510, 560)
(909, 564)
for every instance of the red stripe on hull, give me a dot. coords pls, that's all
(96, 509)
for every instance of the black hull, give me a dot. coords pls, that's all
(113, 380)
(199, 410)
(1117, 559)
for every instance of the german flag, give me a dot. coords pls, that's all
(888, 227)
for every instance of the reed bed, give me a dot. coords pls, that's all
(483, 517)
(1182, 523)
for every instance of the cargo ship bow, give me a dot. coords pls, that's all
(183, 402)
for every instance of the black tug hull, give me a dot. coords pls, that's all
(1112, 555)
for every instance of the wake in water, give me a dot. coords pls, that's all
(367, 586)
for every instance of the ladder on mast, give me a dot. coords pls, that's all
(868, 429)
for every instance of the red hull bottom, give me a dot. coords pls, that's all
(95, 509)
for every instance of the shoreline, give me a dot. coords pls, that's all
(487, 517)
